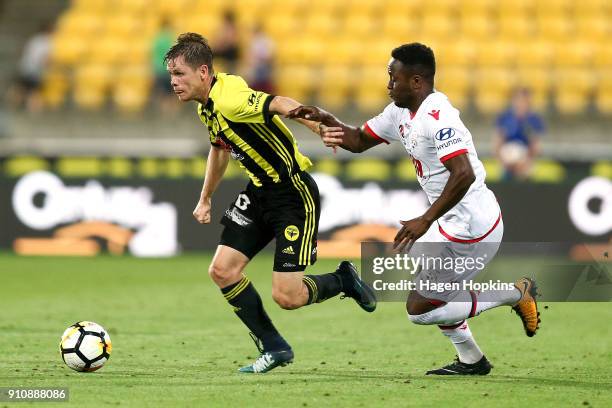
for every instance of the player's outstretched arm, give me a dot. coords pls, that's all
(215, 168)
(333, 132)
(282, 105)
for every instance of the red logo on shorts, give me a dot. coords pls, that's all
(435, 114)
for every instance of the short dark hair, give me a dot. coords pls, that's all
(194, 48)
(418, 57)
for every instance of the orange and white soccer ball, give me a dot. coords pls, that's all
(85, 346)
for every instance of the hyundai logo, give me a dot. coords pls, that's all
(445, 134)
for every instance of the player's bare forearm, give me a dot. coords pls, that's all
(216, 165)
(282, 105)
(459, 182)
(334, 132)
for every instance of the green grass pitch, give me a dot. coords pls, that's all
(177, 343)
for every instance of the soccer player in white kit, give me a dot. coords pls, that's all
(466, 213)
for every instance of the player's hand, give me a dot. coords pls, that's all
(411, 231)
(309, 113)
(331, 136)
(202, 211)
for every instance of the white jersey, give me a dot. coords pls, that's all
(432, 135)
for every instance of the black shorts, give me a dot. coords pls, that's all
(288, 211)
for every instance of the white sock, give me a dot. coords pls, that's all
(466, 305)
(461, 337)
(493, 298)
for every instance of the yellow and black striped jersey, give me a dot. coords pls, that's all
(238, 120)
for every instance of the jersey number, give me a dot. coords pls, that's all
(243, 201)
(418, 167)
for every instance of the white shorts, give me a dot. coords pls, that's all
(449, 264)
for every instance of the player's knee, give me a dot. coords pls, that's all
(415, 313)
(421, 319)
(220, 274)
(285, 300)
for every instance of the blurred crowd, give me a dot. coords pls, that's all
(253, 61)
(517, 128)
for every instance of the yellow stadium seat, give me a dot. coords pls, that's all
(603, 101)
(378, 53)
(108, 50)
(476, 7)
(129, 98)
(55, 86)
(514, 7)
(590, 8)
(364, 7)
(323, 7)
(344, 51)
(593, 28)
(552, 7)
(68, 50)
(493, 88)
(454, 83)
(495, 54)
(123, 25)
(371, 89)
(571, 102)
(90, 85)
(205, 24)
(294, 7)
(572, 90)
(538, 81)
(296, 81)
(603, 98)
(77, 23)
(604, 80)
(309, 51)
(334, 85)
(398, 28)
(281, 27)
(515, 28)
(439, 26)
(97, 7)
(400, 8)
(574, 54)
(554, 27)
(371, 101)
(170, 9)
(136, 7)
(359, 25)
(477, 27)
(602, 57)
(574, 79)
(136, 52)
(286, 52)
(456, 52)
(321, 25)
(535, 52)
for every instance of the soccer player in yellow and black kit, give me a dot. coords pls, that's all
(280, 202)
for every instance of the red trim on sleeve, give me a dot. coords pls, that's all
(371, 133)
(468, 241)
(453, 154)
